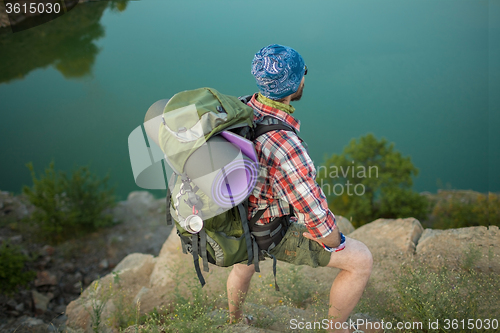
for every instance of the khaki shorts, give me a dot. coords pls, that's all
(295, 249)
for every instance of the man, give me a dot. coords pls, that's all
(289, 183)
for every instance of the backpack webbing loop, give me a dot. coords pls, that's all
(194, 243)
(246, 231)
(276, 287)
(256, 256)
(203, 249)
(167, 209)
(184, 243)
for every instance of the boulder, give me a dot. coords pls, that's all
(472, 247)
(40, 302)
(140, 202)
(145, 281)
(388, 236)
(14, 207)
(125, 282)
(345, 226)
(45, 278)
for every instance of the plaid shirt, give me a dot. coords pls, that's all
(287, 176)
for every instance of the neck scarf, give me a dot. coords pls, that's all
(275, 104)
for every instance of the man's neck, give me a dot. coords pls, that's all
(287, 100)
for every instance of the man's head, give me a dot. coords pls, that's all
(279, 71)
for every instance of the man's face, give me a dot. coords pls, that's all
(296, 96)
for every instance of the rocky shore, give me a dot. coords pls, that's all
(63, 271)
(145, 255)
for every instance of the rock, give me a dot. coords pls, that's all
(18, 239)
(169, 253)
(87, 280)
(20, 307)
(140, 202)
(44, 278)
(13, 206)
(68, 267)
(135, 262)
(140, 295)
(78, 276)
(11, 304)
(345, 226)
(42, 263)
(130, 275)
(60, 309)
(40, 302)
(47, 250)
(77, 287)
(104, 264)
(477, 247)
(33, 322)
(22, 211)
(121, 213)
(386, 236)
(25, 324)
(391, 241)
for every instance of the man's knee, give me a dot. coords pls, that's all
(365, 260)
(362, 259)
(356, 257)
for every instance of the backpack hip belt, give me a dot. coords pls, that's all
(270, 234)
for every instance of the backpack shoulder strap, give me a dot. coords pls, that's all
(265, 126)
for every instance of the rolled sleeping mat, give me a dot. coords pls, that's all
(222, 171)
(146, 157)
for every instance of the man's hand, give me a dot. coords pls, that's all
(332, 240)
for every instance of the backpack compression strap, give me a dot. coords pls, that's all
(252, 247)
(167, 209)
(194, 244)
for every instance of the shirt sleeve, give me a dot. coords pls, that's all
(295, 182)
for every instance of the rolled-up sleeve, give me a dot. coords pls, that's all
(295, 182)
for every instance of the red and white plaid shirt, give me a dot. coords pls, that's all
(287, 176)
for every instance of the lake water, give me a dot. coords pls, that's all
(423, 74)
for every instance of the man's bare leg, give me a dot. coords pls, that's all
(238, 283)
(355, 262)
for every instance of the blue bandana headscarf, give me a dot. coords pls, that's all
(278, 71)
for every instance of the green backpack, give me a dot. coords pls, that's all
(189, 120)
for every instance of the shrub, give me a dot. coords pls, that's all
(379, 179)
(69, 206)
(456, 209)
(13, 272)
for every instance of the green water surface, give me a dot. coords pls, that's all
(423, 74)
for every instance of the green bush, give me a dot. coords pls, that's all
(69, 206)
(13, 272)
(369, 180)
(457, 210)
